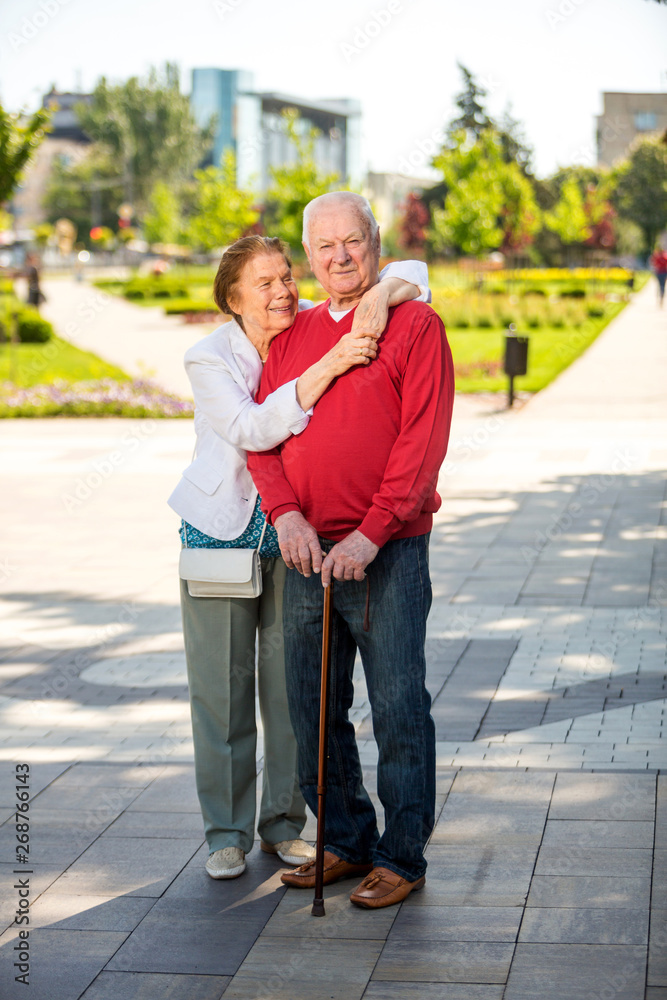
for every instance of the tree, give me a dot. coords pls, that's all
(568, 217)
(149, 130)
(413, 224)
(489, 204)
(163, 222)
(641, 188)
(18, 141)
(87, 192)
(472, 117)
(294, 185)
(222, 212)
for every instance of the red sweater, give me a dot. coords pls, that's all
(370, 456)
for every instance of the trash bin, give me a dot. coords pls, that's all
(516, 359)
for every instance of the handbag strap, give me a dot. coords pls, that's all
(261, 537)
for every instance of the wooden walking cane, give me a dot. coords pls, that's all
(318, 901)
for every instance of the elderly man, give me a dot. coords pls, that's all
(353, 498)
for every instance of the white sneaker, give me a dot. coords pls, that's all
(292, 852)
(227, 863)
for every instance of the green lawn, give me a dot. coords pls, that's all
(36, 364)
(478, 354)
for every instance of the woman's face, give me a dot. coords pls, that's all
(266, 296)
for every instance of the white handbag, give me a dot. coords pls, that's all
(222, 572)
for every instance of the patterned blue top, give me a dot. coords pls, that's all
(248, 540)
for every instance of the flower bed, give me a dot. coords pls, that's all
(101, 398)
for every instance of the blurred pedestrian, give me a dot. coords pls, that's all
(659, 268)
(31, 272)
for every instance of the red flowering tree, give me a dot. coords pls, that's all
(413, 224)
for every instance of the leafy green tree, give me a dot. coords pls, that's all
(162, 224)
(489, 205)
(568, 217)
(641, 188)
(148, 128)
(222, 212)
(18, 141)
(293, 186)
(88, 192)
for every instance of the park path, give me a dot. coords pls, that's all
(547, 663)
(143, 341)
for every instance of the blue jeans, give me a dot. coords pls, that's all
(392, 652)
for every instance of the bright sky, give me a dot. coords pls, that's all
(549, 59)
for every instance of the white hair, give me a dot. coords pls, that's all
(361, 205)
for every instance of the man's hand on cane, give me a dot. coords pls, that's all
(348, 559)
(299, 544)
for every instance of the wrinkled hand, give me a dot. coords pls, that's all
(299, 544)
(352, 349)
(348, 559)
(371, 314)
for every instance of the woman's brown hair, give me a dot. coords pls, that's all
(233, 261)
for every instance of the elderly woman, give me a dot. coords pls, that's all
(219, 507)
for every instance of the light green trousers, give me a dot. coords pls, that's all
(223, 657)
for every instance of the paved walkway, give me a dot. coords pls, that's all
(546, 647)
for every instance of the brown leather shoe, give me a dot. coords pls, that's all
(334, 868)
(384, 888)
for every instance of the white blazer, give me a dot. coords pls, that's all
(216, 493)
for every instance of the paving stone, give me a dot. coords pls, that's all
(65, 962)
(573, 860)
(656, 993)
(338, 970)
(127, 866)
(110, 775)
(659, 876)
(174, 791)
(657, 950)
(456, 923)
(432, 991)
(576, 971)
(64, 911)
(505, 787)
(583, 833)
(292, 917)
(41, 775)
(661, 814)
(78, 798)
(56, 837)
(41, 877)
(185, 935)
(590, 891)
(467, 820)
(444, 962)
(615, 797)
(147, 986)
(170, 825)
(488, 875)
(584, 926)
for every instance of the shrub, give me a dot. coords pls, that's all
(573, 293)
(595, 311)
(534, 291)
(155, 287)
(33, 328)
(30, 327)
(186, 305)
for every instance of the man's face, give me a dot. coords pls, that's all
(343, 256)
